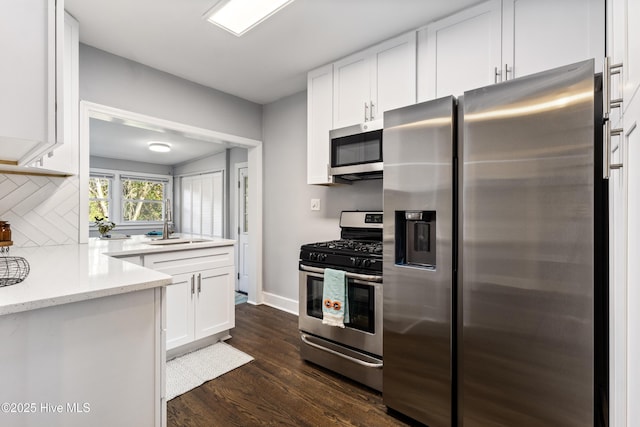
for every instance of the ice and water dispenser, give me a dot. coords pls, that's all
(416, 238)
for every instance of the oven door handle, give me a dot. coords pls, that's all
(337, 353)
(365, 277)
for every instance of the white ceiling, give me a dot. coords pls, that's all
(116, 140)
(267, 63)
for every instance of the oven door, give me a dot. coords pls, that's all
(364, 331)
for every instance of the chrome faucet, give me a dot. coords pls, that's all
(167, 219)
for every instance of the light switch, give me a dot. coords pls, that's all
(315, 204)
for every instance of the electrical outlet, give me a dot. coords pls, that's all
(315, 204)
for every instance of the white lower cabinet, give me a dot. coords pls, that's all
(180, 309)
(200, 302)
(214, 302)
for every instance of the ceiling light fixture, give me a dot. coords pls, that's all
(159, 147)
(239, 16)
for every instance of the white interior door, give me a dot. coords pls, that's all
(243, 229)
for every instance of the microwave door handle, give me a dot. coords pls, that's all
(363, 277)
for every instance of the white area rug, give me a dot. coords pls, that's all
(193, 369)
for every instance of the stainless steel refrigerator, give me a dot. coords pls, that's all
(495, 255)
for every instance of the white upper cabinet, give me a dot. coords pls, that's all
(375, 80)
(65, 158)
(352, 89)
(502, 39)
(30, 82)
(394, 85)
(543, 34)
(461, 52)
(319, 123)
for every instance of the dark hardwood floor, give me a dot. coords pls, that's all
(278, 388)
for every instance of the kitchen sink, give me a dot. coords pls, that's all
(175, 241)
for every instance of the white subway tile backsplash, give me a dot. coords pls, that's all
(42, 211)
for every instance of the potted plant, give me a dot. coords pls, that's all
(103, 224)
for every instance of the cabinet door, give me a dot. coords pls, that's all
(632, 168)
(352, 89)
(180, 310)
(573, 31)
(463, 51)
(394, 85)
(319, 123)
(65, 158)
(631, 71)
(27, 77)
(215, 310)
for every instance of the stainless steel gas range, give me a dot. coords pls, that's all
(356, 350)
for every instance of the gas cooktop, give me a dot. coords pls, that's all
(348, 246)
(359, 249)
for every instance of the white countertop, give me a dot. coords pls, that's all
(71, 273)
(139, 245)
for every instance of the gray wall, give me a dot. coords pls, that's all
(288, 220)
(118, 82)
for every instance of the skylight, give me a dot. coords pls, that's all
(240, 16)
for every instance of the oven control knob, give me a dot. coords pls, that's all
(322, 257)
(313, 256)
(366, 263)
(356, 262)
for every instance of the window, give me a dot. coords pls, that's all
(128, 199)
(142, 199)
(99, 196)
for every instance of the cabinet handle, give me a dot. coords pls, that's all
(193, 287)
(199, 283)
(366, 112)
(613, 132)
(608, 71)
(507, 70)
(496, 73)
(371, 113)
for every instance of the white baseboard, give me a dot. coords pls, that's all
(281, 303)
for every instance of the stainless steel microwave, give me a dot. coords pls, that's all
(356, 151)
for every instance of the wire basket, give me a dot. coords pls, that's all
(13, 269)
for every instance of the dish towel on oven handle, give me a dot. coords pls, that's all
(335, 301)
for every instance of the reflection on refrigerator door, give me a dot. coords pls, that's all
(495, 314)
(418, 261)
